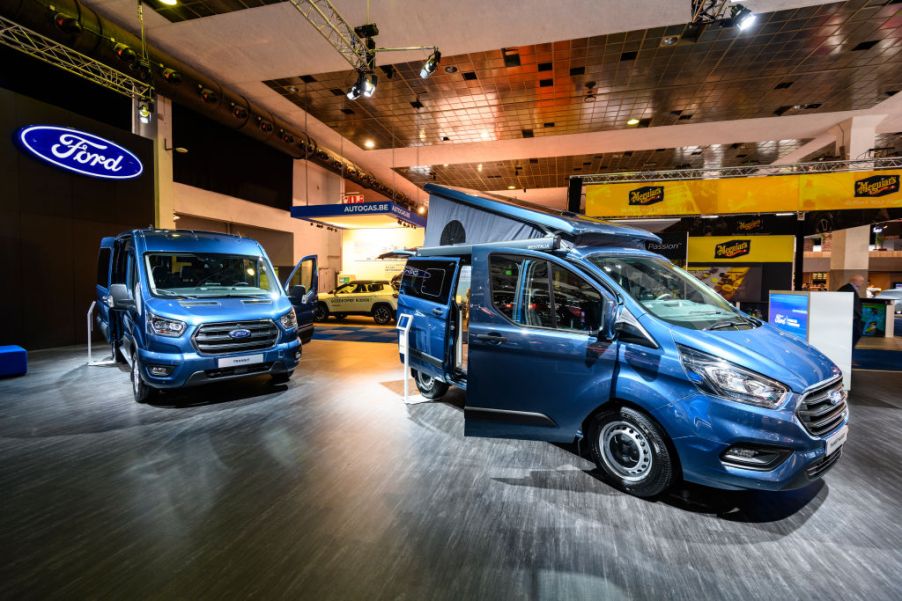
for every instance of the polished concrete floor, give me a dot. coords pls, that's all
(332, 488)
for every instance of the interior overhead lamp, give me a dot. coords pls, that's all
(67, 23)
(364, 86)
(431, 63)
(145, 111)
(742, 17)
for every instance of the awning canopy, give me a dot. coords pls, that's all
(365, 215)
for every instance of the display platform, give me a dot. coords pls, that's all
(330, 488)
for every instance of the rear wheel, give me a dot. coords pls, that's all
(429, 387)
(143, 393)
(631, 452)
(382, 314)
(320, 312)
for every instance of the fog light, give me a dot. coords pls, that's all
(159, 370)
(752, 457)
(297, 355)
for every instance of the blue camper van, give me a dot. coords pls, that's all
(185, 307)
(572, 331)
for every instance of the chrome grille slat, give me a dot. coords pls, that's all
(817, 414)
(213, 338)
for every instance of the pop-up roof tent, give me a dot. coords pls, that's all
(461, 216)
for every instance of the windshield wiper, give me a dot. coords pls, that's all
(726, 324)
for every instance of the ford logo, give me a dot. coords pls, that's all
(835, 397)
(80, 152)
(242, 333)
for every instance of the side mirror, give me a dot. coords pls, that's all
(121, 298)
(297, 294)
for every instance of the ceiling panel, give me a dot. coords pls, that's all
(554, 171)
(793, 62)
(186, 10)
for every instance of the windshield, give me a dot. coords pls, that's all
(671, 294)
(196, 275)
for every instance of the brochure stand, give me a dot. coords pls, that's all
(111, 360)
(403, 327)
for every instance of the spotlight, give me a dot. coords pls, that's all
(208, 95)
(145, 111)
(264, 125)
(125, 53)
(632, 122)
(169, 2)
(430, 64)
(142, 70)
(742, 17)
(172, 76)
(239, 112)
(421, 210)
(67, 24)
(364, 86)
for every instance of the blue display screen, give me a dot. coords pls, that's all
(789, 313)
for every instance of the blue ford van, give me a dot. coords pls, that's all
(576, 332)
(185, 307)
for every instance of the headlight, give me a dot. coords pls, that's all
(165, 327)
(289, 320)
(724, 379)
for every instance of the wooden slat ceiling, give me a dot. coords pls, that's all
(832, 57)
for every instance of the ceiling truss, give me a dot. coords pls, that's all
(326, 19)
(43, 48)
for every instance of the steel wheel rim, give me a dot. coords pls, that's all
(136, 376)
(425, 381)
(382, 314)
(625, 451)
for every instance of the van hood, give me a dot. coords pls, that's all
(766, 350)
(206, 310)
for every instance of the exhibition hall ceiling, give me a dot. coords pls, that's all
(826, 58)
(553, 172)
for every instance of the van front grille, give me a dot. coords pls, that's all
(823, 409)
(218, 338)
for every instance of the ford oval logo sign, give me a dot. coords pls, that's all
(242, 333)
(80, 152)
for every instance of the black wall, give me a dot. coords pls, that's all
(224, 160)
(51, 222)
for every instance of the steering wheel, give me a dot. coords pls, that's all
(663, 296)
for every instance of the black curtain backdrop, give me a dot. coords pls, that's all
(51, 223)
(224, 160)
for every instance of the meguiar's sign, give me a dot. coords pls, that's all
(876, 185)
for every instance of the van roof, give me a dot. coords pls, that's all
(196, 241)
(551, 221)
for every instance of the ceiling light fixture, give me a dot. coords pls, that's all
(742, 17)
(431, 63)
(632, 122)
(145, 111)
(369, 144)
(364, 86)
(169, 2)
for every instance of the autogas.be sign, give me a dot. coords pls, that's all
(79, 152)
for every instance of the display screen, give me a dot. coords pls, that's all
(789, 313)
(732, 283)
(874, 317)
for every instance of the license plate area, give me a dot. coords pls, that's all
(834, 442)
(240, 361)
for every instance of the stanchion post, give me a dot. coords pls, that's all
(403, 327)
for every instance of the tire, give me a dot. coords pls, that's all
(320, 312)
(383, 314)
(143, 393)
(429, 387)
(631, 452)
(281, 378)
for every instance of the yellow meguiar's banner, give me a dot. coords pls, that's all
(773, 194)
(741, 249)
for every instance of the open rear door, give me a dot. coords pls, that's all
(425, 295)
(104, 271)
(301, 287)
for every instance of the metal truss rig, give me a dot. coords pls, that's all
(43, 48)
(326, 19)
(741, 171)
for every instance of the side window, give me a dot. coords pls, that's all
(520, 290)
(536, 301)
(429, 280)
(303, 276)
(577, 305)
(132, 271)
(103, 267)
(504, 273)
(375, 287)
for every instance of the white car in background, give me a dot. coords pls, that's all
(376, 298)
(895, 294)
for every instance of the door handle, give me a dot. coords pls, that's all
(491, 338)
(437, 312)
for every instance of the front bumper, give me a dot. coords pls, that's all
(709, 426)
(191, 368)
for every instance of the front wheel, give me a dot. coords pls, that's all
(631, 452)
(320, 312)
(382, 314)
(143, 393)
(429, 387)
